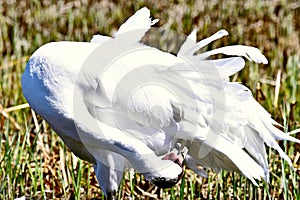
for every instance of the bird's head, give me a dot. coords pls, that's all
(177, 156)
(165, 182)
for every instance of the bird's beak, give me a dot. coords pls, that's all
(179, 152)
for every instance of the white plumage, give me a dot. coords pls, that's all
(108, 114)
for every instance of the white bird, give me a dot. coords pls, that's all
(118, 103)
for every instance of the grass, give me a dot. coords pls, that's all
(34, 161)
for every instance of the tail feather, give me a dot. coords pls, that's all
(251, 53)
(222, 154)
(190, 46)
(136, 26)
(239, 145)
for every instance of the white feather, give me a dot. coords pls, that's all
(140, 122)
(140, 20)
(99, 39)
(135, 27)
(251, 53)
(190, 46)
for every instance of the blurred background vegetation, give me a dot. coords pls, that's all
(33, 160)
